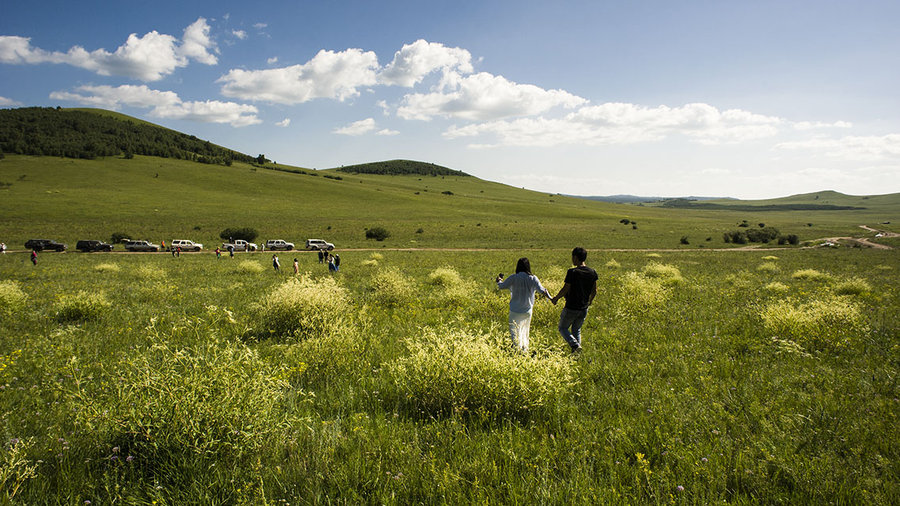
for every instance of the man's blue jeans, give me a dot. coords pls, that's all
(573, 319)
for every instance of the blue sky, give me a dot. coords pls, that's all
(720, 98)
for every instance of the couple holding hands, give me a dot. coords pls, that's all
(579, 290)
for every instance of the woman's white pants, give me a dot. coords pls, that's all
(519, 326)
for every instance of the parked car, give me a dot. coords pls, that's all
(44, 244)
(318, 244)
(186, 245)
(278, 244)
(88, 246)
(240, 245)
(141, 246)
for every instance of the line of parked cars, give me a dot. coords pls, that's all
(185, 245)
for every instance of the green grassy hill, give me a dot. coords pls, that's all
(165, 198)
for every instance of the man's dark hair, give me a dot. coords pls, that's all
(523, 265)
(579, 254)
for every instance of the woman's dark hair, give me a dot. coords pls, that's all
(523, 265)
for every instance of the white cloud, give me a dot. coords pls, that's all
(273, 60)
(618, 123)
(147, 58)
(260, 26)
(284, 123)
(110, 97)
(387, 132)
(811, 125)
(414, 61)
(163, 104)
(483, 96)
(852, 147)
(7, 102)
(196, 43)
(241, 34)
(356, 128)
(210, 111)
(329, 74)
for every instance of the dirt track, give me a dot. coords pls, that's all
(859, 240)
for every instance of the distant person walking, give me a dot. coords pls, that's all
(321, 256)
(34, 257)
(332, 268)
(231, 251)
(275, 264)
(296, 267)
(3, 247)
(522, 286)
(218, 253)
(579, 290)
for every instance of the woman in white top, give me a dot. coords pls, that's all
(522, 286)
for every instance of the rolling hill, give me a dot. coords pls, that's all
(164, 198)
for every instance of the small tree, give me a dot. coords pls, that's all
(245, 233)
(377, 233)
(119, 237)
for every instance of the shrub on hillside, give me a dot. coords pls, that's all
(173, 404)
(302, 308)
(390, 287)
(640, 294)
(244, 233)
(12, 298)
(767, 267)
(454, 372)
(827, 323)
(668, 274)
(377, 233)
(119, 237)
(82, 306)
(811, 275)
(852, 286)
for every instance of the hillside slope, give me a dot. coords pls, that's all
(156, 198)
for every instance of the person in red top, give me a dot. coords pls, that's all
(579, 290)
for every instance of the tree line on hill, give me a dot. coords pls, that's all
(45, 131)
(401, 168)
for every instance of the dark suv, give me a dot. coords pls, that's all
(88, 246)
(44, 244)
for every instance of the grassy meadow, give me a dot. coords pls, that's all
(164, 199)
(740, 376)
(737, 376)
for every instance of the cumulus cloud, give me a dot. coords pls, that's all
(811, 125)
(618, 123)
(163, 104)
(336, 75)
(851, 147)
(147, 58)
(273, 60)
(357, 128)
(415, 61)
(210, 111)
(196, 43)
(387, 132)
(7, 102)
(241, 34)
(484, 96)
(260, 26)
(284, 123)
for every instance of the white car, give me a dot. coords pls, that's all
(278, 244)
(186, 245)
(141, 246)
(239, 245)
(318, 244)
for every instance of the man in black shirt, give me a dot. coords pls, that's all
(579, 291)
